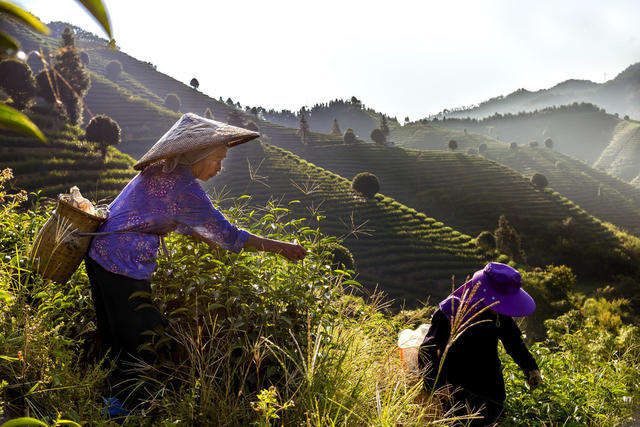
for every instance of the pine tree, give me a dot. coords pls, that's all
(72, 70)
(384, 127)
(508, 241)
(303, 130)
(335, 129)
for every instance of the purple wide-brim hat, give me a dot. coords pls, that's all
(500, 284)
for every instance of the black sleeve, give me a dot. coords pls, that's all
(428, 357)
(511, 338)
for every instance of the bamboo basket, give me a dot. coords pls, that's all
(59, 248)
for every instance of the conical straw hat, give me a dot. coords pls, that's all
(192, 132)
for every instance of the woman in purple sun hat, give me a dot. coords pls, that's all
(460, 352)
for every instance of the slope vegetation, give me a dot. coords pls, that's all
(622, 156)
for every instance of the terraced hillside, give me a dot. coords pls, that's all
(622, 156)
(434, 137)
(580, 130)
(64, 161)
(407, 253)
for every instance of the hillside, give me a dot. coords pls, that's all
(580, 130)
(619, 95)
(64, 161)
(407, 253)
(622, 156)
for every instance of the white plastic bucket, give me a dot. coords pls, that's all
(409, 342)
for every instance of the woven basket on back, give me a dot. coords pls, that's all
(58, 249)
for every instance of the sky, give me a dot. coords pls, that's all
(403, 57)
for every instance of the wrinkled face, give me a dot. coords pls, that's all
(210, 166)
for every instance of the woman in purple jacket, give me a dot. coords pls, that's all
(162, 198)
(470, 322)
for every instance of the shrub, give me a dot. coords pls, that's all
(303, 130)
(172, 102)
(482, 148)
(472, 151)
(104, 131)
(453, 145)
(17, 81)
(378, 136)
(486, 240)
(539, 180)
(44, 81)
(349, 136)
(113, 70)
(513, 146)
(548, 143)
(533, 144)
(366, 184)
(84, 57)
(341, 257)
(194, 83)
(235, 118)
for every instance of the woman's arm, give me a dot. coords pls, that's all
(511, 338)
(292, 251)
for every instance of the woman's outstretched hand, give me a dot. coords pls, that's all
(293, 251)
(535, 379)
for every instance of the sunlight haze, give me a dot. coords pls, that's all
(408, 58)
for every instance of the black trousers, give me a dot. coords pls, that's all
(489, 410)
(128, 324)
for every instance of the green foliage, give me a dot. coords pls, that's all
(341, 257)
(452, 145)
(482, 148)
(539, 180)
(235, 118)
(17, 81)
(384, 126)
(75, 78)
(349, 137)
(508, 241)
(113, 70)
(513, 146)
(533, 144)
(303, 130)
(194, 83)
(172, 102)
(104, 131)
(378, 136)
(366, 184)
(548, 143)
(251, 125)
(44, 82)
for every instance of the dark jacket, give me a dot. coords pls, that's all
(472, 360)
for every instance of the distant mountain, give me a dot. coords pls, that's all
(580, 130)
(620, 95)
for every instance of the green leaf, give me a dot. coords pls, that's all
(24, 421)
(8, 45)
(97, 9)
(67, 423)
(14, 119)
(24, 16)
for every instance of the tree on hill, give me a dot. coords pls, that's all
(406, 120)
(235, 118)
(208, 114)
(482, 148)
(366, 184)
(472, 151)
(84, 57)
(349, 136)
(103, 131)
(486, 241)
(356, 102)
(251, 125)
(17, 81)
(76, 81)
(453, 145)
(513, 146)
(303, 130)
(548, 143)
(194, 83)
(378, 136)
(384, 126)
(44, 81)
(341, 256)
(230, 102)
(539, 180)
(533, 144)
(113, 70)
(335, 128)
(254, 112)
(508, 242)
(172, 102)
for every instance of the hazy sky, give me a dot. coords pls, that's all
(404, 58)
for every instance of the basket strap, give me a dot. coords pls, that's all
(165, 251)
